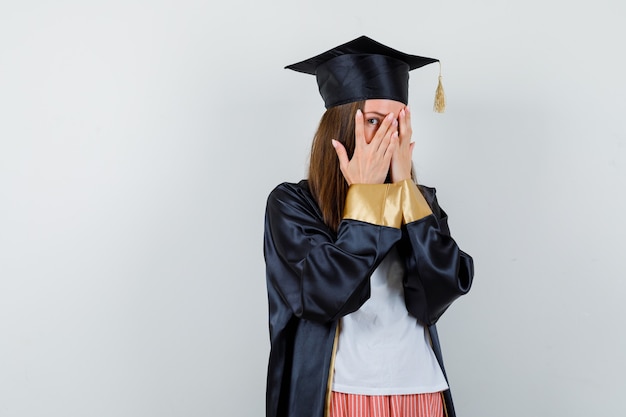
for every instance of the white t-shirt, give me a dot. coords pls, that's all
(382, 350)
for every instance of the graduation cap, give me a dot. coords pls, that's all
(365, 69)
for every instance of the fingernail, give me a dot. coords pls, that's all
(395, 122)
(358, 112)
(390, 116)
(334, 143)
(408, 109)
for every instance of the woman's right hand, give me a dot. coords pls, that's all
(370, 161)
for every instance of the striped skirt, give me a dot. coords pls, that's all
(411, 405)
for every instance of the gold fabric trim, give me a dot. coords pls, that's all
(375, 203)
(414, 205)
(331, 372)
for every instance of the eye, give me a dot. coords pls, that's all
(373, 122)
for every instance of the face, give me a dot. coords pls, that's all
(374, 111)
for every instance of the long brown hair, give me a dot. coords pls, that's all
(326, 181)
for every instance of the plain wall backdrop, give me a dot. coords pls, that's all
(140, 139)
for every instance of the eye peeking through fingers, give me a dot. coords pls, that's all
(373, 121)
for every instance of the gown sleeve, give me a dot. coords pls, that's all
(318, 275)
(437, 271)
(321, 276)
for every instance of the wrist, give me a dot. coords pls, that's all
(400, 178)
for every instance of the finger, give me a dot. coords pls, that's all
(405, 126)
(391, 149)
(359, 134)
(383, 130)
(393, 130)
(342, 155)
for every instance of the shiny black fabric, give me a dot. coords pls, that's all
(314, 277)
(350, 78)
(361, 69)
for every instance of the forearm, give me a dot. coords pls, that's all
(321, 276)
(437, 270)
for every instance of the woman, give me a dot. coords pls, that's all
(360, 262)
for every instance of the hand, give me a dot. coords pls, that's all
(402, 157)
(370, 161)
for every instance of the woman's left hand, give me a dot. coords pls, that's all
(402, 158)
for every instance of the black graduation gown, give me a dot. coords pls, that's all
(316, 276)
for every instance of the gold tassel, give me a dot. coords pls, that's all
(440, 96)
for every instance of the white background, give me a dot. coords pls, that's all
(139, 141)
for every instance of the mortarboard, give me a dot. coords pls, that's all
(365, 69)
